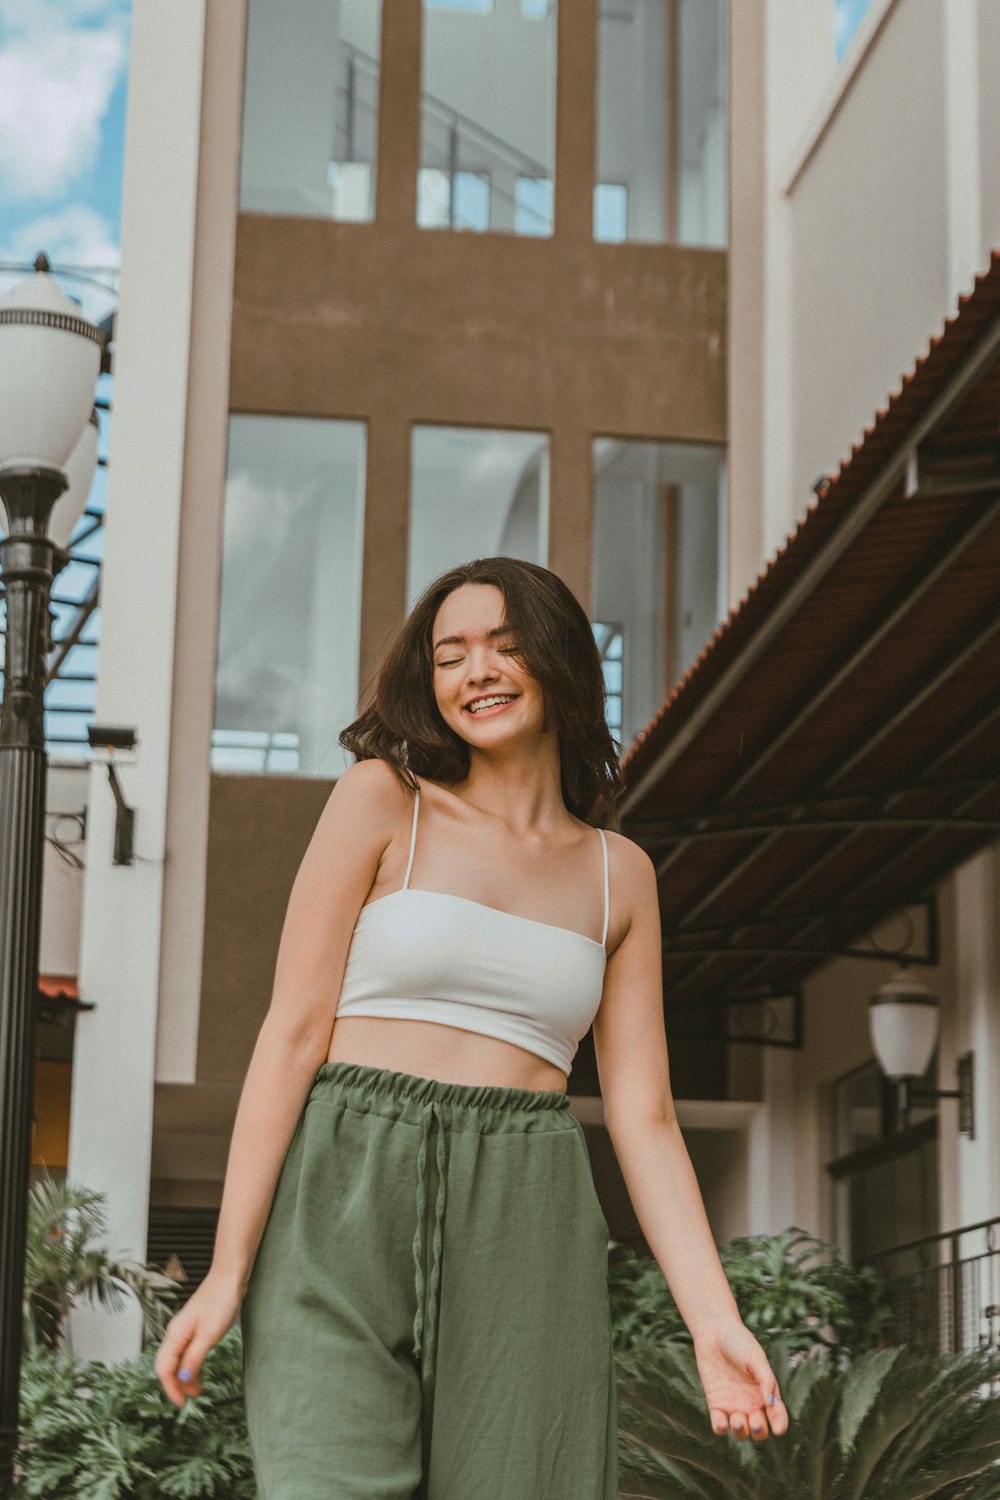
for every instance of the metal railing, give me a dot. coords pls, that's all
(944, 1290)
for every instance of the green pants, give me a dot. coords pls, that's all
(428, 1311)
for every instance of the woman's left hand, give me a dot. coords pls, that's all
(739, 1382)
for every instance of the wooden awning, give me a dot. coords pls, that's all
(835, 750)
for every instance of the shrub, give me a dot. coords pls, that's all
(791, 1289)
(93, 1432)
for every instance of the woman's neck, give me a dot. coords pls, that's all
(525, 789)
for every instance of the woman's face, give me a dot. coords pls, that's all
(482, 691)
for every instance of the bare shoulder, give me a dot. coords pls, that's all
(629, 860)
(368, 794)
(632, 874)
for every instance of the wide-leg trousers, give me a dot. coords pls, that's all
(427, 1317)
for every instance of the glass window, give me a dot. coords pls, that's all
(611, 212)
(662, 122)
(848, 15)
(310, 108)
(459, 201)
(290, 608)
(659, 567)
(475, 492)
(488, 115)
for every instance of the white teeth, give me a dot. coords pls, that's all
(479, 703)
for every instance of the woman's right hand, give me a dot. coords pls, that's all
(191, 1333)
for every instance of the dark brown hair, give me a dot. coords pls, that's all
(555, 643)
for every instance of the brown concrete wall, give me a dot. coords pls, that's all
(259, 827)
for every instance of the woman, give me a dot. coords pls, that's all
(409, 1225)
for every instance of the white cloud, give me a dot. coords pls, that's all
(73, 236)
(56, 81)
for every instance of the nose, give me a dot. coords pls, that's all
(482, 666)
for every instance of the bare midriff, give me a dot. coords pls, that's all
(431, 1049)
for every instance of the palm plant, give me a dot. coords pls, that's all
(888, 1426)
(61, 1267)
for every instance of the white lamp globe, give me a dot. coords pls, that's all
(80, 472)
(50, 357)
(903, 1021)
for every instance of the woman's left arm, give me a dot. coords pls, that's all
(631, 1045)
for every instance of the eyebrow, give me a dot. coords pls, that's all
(460, 640)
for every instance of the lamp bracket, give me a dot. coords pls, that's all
(912, 1093)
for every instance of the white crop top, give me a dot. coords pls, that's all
(429, 956)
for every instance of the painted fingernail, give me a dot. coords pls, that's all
(770, 1399)
(184, 1373)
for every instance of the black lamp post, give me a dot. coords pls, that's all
(49, 361)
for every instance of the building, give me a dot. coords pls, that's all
(405, 284)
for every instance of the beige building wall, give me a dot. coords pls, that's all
(988, 38)
(869, 212)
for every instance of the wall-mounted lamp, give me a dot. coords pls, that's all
(108, 743)
(903, 1020)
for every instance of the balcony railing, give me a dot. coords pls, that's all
(945, 1290)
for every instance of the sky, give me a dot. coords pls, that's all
(63, 78)
(848, 17)
(63, 81)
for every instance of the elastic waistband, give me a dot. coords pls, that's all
(471, 1106)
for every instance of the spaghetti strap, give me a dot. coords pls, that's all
(607, 905)
(413, 840)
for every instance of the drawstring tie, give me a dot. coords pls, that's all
(430, 1113)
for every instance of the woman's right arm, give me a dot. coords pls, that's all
(335, 876)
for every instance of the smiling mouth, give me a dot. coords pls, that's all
(480, 707)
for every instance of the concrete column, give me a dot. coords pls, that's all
(961, 67)
(977, 979)
(771, 1148)
(112, 1102)
(747, 267)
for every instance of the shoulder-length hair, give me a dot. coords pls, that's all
(555, 643)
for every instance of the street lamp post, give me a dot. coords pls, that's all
(49, 361)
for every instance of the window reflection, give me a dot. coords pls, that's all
(290, 606)
(848, 15)
(659, 567)
(488, 116)
(662, 122)
(310, 108)
(475, 492)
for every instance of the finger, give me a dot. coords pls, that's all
(720, 1421)
(777, 1415)
(167, 1359)
(178, 1365)
(758, 1425)
(189, 1373)
(739, 1425)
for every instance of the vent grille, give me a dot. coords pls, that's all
(187, 1234)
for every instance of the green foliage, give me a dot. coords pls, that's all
(885, 1426)
(791, 1289)
(93, 1432)
(60, 1267)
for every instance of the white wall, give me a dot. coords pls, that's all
(62, 880)
(114, 1059)
(881, 205)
